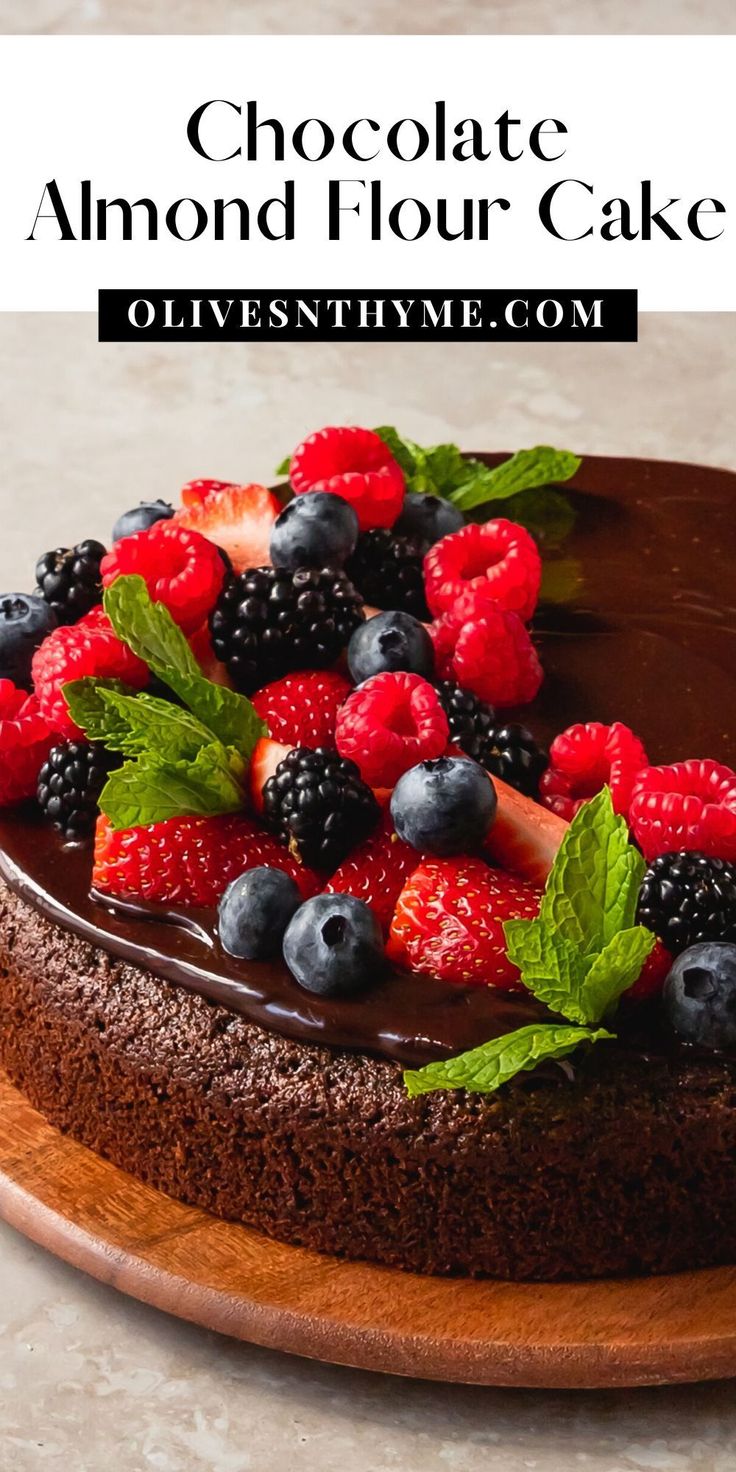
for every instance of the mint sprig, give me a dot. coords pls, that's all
(181, 762)
(484, 1069)
(442, 470)
(578, 957)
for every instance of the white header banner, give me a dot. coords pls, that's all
(434, 162)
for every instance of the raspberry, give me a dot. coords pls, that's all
(355, 464)
(25, 742)
(498, 560)
(494, 658)
(585, 758)
(87, 648)
(449, 921)
(691, 805)
(443, 632)
(187, 861)
(180, 568)
(377, 871)
(391, 722)
(197, 491)
(301, 709)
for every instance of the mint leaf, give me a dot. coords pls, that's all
(584, 949)
(155, 788)
(284, 467)
(84, 701)
(593, 888)
(540, 466)
(149, 630)
(484, 1069)
(551, 967)
(410, 456)
(616, 968)
(143, 723)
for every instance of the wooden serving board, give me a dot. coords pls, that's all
(225, 1277)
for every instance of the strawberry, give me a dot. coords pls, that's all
(200, 643)
(652, 976)
(197, 491)
(377, 871)
(238, 519)
(263, 763)
(449, 919)
(524, 836)
(301, 709)
(187, 861)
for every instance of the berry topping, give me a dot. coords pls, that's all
(449, 922)
(87, 648)
(700, 995)
(236, 518)
(444, 806)
(268, 622)
(428, 517)
(389, 724)
(25, 621)
(690, 805)
(686, 898)
(585, 758)
(180, 568)
(488, 651)
(140, 518)
(389, 571)
(512, 754)
(69, 579)
(377, 871)
(301, 709)
(254, 912)
(334, 947)
(312, 530)
(69, 785)
(524, 837)
(390, 641)
(197, 491)
(25, 741)
(187, 861)
(355, 464)
(498, 560)
(317, 804)
(471, 720)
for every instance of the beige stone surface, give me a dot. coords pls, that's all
(503, 17)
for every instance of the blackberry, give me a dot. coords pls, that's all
(69, 785)
(317, 803)
(687, 898)
(268, 621)
(511, 753)
(388, 569)
(470, 719)
(69, 580)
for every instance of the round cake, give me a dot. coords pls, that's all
(305, 1105)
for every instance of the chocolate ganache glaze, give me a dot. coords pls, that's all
(636, 623)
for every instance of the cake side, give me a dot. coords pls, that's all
(625, 1168)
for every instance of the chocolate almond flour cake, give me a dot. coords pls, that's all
(403, 934)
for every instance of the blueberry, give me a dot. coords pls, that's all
(25, 620)
(314, 530)
(390, 641)
(700, 995)
(334, 946)
(140, 518)
(444, 806)
(254, 912)
(428, 517)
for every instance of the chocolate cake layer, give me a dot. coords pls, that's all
(615, 1165)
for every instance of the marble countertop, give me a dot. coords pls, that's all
(88, 1378)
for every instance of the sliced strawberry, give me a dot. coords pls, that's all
(238, 519)
(377, 870)
(200, 644)
(524, 836)
(197, 491)
(652, 976)
(263, 763)
(449, 919)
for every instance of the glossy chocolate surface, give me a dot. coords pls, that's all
(637, 623)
